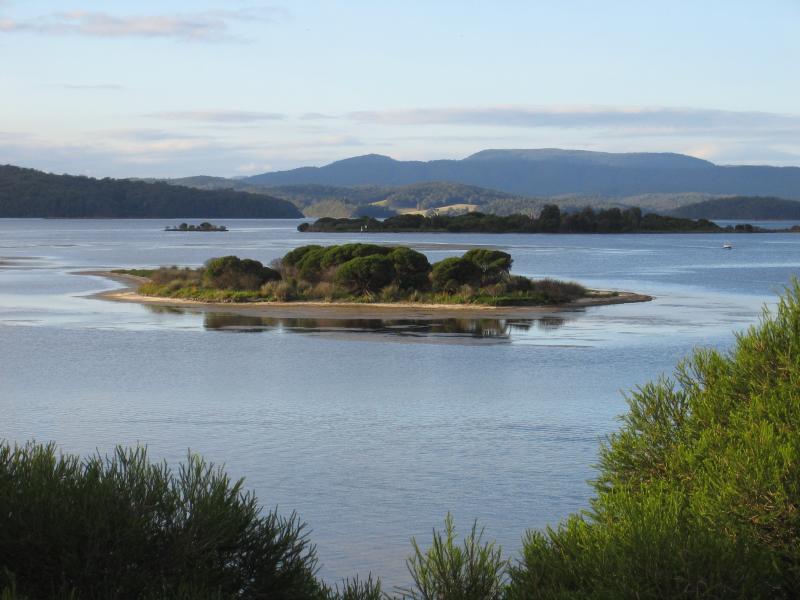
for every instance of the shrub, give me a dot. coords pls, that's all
(473, 570)
(553, 291)
(166, 275)
(365, 275)
(310, 265)
(451, 273)
(234, 273)
(123, 527)
(698, 494)
(411, 268)
(494, 265)
(293, 257)
(338, 255)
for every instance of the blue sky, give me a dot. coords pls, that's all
(237, 87)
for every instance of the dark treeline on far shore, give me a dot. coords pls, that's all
(696, 496)
(550, 220)
(27, 193)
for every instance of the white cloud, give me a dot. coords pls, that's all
(644, 120)
(218, 116)
(89, 87)
(201, 26)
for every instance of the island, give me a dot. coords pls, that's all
(204, 226)
(360, 276)
(550, 220)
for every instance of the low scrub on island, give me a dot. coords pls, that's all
(360, 273)
(697, 496)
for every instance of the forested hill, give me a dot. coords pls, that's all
(31, 193)
(749, 208)
(554, 172)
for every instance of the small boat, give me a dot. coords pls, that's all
(727, 246)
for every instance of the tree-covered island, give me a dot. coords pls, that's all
(204, 226)
(361, 273)
(550, 220)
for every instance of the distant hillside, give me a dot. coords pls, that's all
(31, 193)
(752, 208)
(553, 172)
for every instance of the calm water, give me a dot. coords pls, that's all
(372, 430)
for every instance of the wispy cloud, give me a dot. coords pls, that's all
(202, 26)
(218, 116)
(89, 87)
(652, 120)
(315, 116)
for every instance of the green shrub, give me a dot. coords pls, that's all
(234, 273)
(494, 265)
(338, 255)
(310, 266)
(474, 570)
(365, 275)
(698, 494)
(123, 527)
(411, 268)
(451, 273)
(294, 257)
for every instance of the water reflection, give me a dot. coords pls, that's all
(498, 330)
(488, 329)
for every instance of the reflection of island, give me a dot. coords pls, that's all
(204, 226)
(470, 328)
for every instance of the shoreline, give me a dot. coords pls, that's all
(348, 310)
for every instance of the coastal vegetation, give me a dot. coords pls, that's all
(549, 220)
(360, 273)
(697, 496)
(31, 193)
(204, 226)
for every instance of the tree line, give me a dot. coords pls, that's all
(31, 193)
(549, 220)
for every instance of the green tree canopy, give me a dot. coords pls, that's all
(451, 273)
(232, 272)
(494, 264)
(366, 274)
(411, 268)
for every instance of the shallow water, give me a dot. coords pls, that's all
(372, 430)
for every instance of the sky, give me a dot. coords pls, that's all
(237, 87)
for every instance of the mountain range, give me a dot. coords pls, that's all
(553, 172)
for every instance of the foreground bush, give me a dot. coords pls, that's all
(123, 527)
(699, 493)
(473, 570)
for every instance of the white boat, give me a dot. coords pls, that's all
(727, 246)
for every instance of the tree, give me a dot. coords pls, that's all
(451, 273)
(234, 273)
(494, 264)
(411, 268)
(366, 274)
(550, 219)
(338, 255)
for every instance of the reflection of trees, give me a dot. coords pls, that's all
(477, 328)
(550, 323)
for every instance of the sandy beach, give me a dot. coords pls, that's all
(349, 310)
